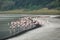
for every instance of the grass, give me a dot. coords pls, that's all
(40, 11)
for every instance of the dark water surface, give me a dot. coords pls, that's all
(4, 28)
(4, 20)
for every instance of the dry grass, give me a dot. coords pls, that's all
(40, 11)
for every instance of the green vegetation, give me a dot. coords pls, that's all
(30, 6)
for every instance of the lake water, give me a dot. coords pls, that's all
(5, 19)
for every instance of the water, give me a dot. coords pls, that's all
(5, 19)
(4, 28)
